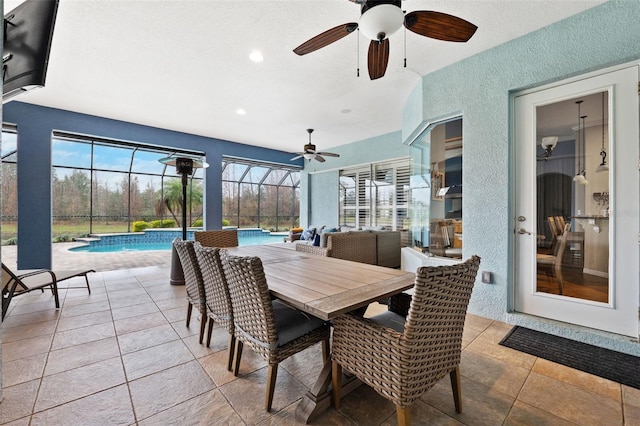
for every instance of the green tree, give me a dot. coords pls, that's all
(172, 197)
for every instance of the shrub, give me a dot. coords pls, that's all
(225, 222)
(167, 223)
(140, 225)
(197, 223)
(10, 242)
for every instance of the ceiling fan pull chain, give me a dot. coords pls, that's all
(358, 55)
(405, 43)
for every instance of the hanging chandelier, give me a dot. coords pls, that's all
(580, 176)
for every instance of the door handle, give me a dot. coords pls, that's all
(523, 231)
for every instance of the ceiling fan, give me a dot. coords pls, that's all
(381, 18)
(310, 152)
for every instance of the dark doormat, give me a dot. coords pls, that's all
(617, 366)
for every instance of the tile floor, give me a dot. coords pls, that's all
(123, 355)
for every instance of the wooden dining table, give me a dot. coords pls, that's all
(325, 287)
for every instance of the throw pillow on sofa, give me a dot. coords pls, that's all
(308, 234)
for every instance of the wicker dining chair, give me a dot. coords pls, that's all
(402, 358)
(193, 282)
(216, 290)
(217, 238)
(271, 328)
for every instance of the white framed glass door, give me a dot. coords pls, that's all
(576, 202)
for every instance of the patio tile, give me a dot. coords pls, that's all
(154, 359)
(78, 336)
(247, 396)
(109, 407)
(81, 355)
(493, 373)
(207, 409)
(133, 311)
(123, 302)
(14, 320)
(570, 402)
(84, 320)
(147, 338)
(73, 384)
(11, 334)
(578, 378)
(23, 369)
(525, 415)
(140, 322)
(26, 347)
(87, 308)
(165, 389)
(17, 401)
(364, 406)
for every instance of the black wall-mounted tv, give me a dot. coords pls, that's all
(28, 32)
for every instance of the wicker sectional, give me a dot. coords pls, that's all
(373, 247)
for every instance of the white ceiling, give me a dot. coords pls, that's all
(184, 65)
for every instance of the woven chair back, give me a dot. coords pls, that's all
(434, 325)
(193, 282)
(216, 289)
(251, 303)
(217, 238)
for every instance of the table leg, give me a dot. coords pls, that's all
(318, 399)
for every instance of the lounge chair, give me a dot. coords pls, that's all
(22, 282)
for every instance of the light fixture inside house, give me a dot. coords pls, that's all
(548, 144)
(381, 21)
(603, 167)
(580, 176)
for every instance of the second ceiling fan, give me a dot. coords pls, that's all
(381, 18)
(310, 153)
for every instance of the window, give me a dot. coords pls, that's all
(435, 195)
(103, 186)
(9, 185)
(375, 195)
(260, 195)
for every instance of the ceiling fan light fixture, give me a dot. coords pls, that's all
(381, 20)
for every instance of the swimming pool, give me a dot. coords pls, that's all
(152, 239)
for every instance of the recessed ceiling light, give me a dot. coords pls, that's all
(240, 111)
(345, 111)
(256, 56)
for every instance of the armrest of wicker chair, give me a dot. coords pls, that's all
(318, 251)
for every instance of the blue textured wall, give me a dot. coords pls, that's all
(481, 88)
(35, 127)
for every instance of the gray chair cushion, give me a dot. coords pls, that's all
(292, 323)
(390, 320)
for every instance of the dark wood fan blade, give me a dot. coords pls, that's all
(328, 154)
(378, 58)
(319, 158)
(439, 26)
(326, 38)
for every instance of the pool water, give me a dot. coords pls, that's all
(243, 240)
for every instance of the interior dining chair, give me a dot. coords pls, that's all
(217, 299)
(553, 262)
(271, 328)
(402, 358)
(217, 238)
(193, 282)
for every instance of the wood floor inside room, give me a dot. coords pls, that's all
(576, 284)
